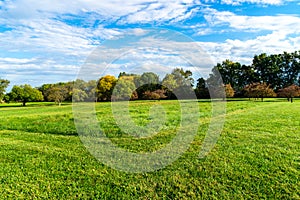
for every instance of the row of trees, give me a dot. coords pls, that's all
(278, 70)
(107, 88)
(267, 76)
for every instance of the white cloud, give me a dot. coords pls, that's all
(52, 46)
(259, 2)
(253, 23)
(35, 72)
(162, 11)
(134, 10)
(243, 50)
(264, 2)
(283, 33)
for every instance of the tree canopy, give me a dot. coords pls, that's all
(25, 93)
(290, 92)
(267, 75)
(3, 85)
(259, 90)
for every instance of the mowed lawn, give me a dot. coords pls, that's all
(257, 154)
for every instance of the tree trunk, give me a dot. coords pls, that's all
(24, 103)
(291, 99)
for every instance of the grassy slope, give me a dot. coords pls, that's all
(257, 155)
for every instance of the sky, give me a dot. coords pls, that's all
(53, 41)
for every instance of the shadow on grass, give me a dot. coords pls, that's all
(30, 105)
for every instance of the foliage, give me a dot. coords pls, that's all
(259, 90)
(148, 81)
(155, 95)
(124, 90)
(169, 82)
(229, 91)
(289, 92)
(201, 89)
(57, 94)
(230, 72)
(6, 98)
(25, 93)
(105, 87)
(79, 95)
(3, 85)
(178, 83)
(278, 70)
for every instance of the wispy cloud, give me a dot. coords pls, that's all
(44, 41)
(239, 2)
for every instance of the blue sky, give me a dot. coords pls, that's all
(49, 41)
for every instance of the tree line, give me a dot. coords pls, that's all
(267, 76)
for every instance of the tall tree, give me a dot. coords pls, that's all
(45, 90)
(230, 72)
(201, 89)
(179, 82)
(169, 84)
(267, 69)
(290, 68)
(25, 93)
(3, 85)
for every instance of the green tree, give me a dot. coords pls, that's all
(179, 82)
(123, 90)
(148, 81)
(201, 89)
(105, 87)
(25, 93)
(3, 85)
(169, 84)
(44, 89)
(290, 68)
(6, 98)
(79, 95)
(90, 90)
(57, 94)
(230, 72)
(267, 69)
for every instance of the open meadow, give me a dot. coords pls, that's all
(257, 154)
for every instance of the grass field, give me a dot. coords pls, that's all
(257, 155)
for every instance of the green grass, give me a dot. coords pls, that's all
(257, 155)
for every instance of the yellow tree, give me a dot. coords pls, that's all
(229, 91)
(105, 87)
